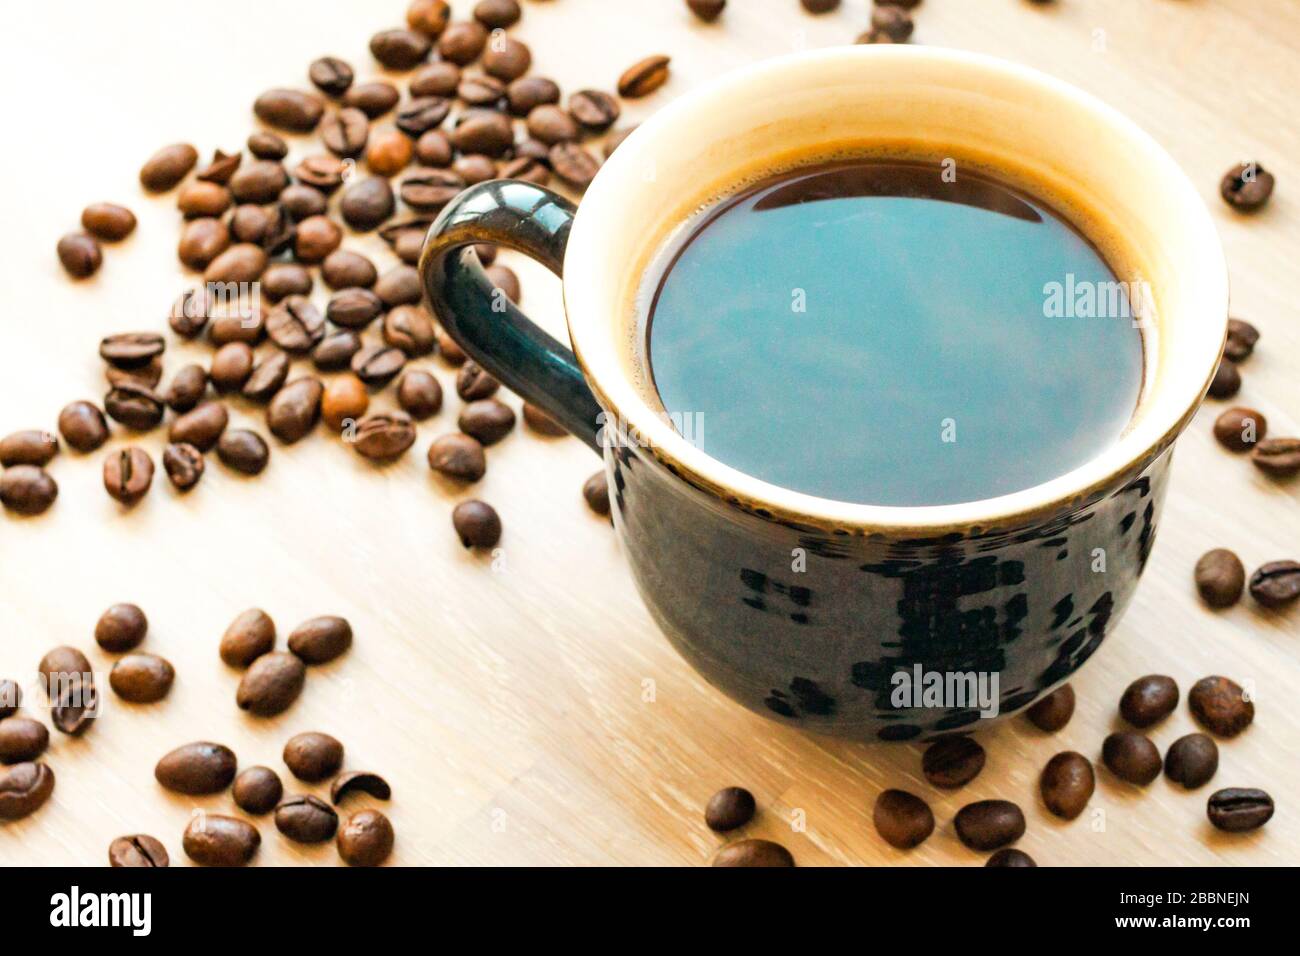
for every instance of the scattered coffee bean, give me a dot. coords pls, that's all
(291, 110)
(458, 456)
(266, 145)
(473, 383)
(243, 262)
(1067, 783)
(121, 628)
(232, 364)
(187, 388)
(989, 824)
(729, 808)
(142, 678)
(461, 43)
(477, 524)
(244, 451)
(294, 411)
(1149, 700)
(1238, 810)
(753, 853)
(221, 167)
(1276, 584)
(410, 328)
(128, 473)
(377, 365)
(321, 639)
(344, 400)
(201, 427)
(433, 149)
(1277, 457)
(952, 762)
(11, 697)
(527, 93)
(1241, 340)
(167, 167)
(183, 464)
(267, 378)
(261, 181)
(335, 351)
(249, 636)
(257, 790)
(271, 684)
(527, 169)
(430, 190)
(1220, 706)
(1192, 760)
(366, 839)
(643, 78)
(497, 14)
(707, 10)
(573, 164)
(595, 491)
(30, 447)
(147, 376)
(24, 787)
(108, 221)
(346, 132)
(374, 98)
(430, 17)
(1227, 380)
(313, 756)
(203, 199)
(301, 202)
(542, 423)
(419, 394)
(892, 22)
(316, 237)
(448, 348)
(140, 850)
(22, 739)
(330, 75)
(1238, 429)
(322, 172)
(1220, 578)
(197, 768)
(63, 668)
(80, 254)
(1247, 187)
(27, 490)
(82, 426)
(422, 114)
(214, 840)
(367, 203)
(358, 781)
(389, 153)
(135, 406)
(129, 350)
(1010, 857)
(354, 308)
(902, 819)
(440, 78)
(400, 49)
(820, 6)
(596, 110)
(201, 242)
(384, 436)
(507, 58)
(1131, 757)
(306, 819)
(487, 419)
(399, 286)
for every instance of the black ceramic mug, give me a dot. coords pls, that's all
(831, 616)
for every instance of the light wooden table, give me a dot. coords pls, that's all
(506, 702)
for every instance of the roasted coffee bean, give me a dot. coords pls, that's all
(440, 78)
(147, 376)
(187, 388)
(542, 423)
(295, 324)
(313, 756)
(477, 524)
(295, 409)
(377, 365)
(753, 853)
(346, 132)
(399, 286)
(374, 98)
(335, 351)
(315, 238)
(27, 489)
(534, 149)
(422, 114)
(198, 768)
(473, 168)
(433, 149)
(184, 465)
(480, 90)
(473, 383)
(134, 406)
(24, 787)
(400, 49)
(301, 202)
(62, 668)
(487, 419)
(366, 839)
(321, 172)
(430, 190)
(1241, 340)
(330, 75)
(1238, 429)
(902, 819)
(410, 328)
(1010, 857)
(321, 639)
(128, 473)
(82, 426)
(139, 850)
(30, 447)
(1192, 760)
(1149, 700)
(389, 153)
(131, 349)
(952, 762)
(506, 58)
(167, 167)
(448, 348)
(359, 781)
(108, 221)
(232, 364)
(11, 697)
(643, 78)
(707, 10)
(261, 181)
(527, 169)
(22, 739)
(573, 164)
(892, 22)
(354, 308)
(203, 199)
(820, 6)
(487, 254)
(267, 378)
(1131, 757)
(257, 790)
(1227, 380)
(240, 325)
(594, 109)
(1220, 578)
(483, 131)
(384, 436)
(214, 840)
(80, 255)
(430, 17)
(1247, 187)
(345, 400)
(989, 824)
(497, 14)
(461, 43)
(202, 240)
(142, 678)
(527, 93)
(202, 427)
(1276, 584)
(1220, 706)
(291, 110)
(249, 636)
(266, 145)
(504, 278)
(367, 203)
(244, 451)
(242, 262)
(1238, 810)
(419, 394)
(550, 124)
(121, 628)
(1067, 783)
(595, 491)
(408, 245)
(729, 808)
(1277, 457)
(306, 819)
(220, 168)
(271, 684)
(458, 456)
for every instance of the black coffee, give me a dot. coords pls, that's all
(879, 333)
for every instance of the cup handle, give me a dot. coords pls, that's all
(487, 325)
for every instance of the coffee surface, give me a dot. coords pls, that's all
(878, 333)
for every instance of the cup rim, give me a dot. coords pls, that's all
(1116, 465)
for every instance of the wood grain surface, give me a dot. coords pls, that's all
(524, 707)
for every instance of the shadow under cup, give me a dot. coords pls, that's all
(869, 622)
